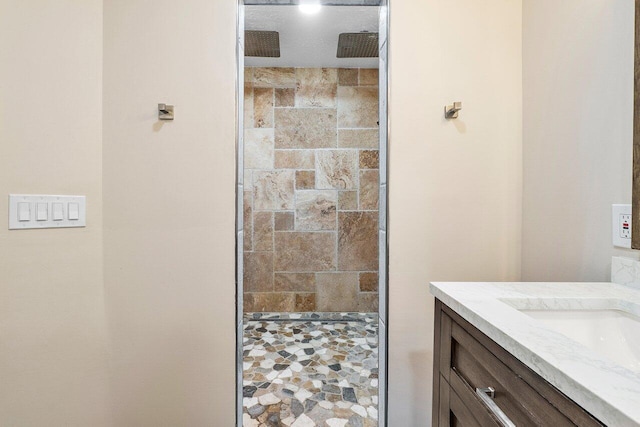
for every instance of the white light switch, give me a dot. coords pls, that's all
(74, 211)
(46, 211)
(42, 211)
(24, 212)
(57, 211)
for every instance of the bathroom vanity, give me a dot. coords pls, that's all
(536, 354)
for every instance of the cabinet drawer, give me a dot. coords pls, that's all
(463, 409)
(468, 360)
(476, 366)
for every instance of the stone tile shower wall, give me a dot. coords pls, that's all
(311, 189)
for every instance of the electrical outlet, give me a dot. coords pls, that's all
(625, 226)
(621, 225)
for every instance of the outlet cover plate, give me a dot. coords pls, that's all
(621, 225)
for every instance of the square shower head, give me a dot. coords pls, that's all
(358, 45)
(264, 44)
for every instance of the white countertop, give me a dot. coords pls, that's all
(608, 391)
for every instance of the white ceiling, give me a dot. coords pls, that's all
(311, 40)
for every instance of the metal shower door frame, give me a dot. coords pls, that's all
(383, 255)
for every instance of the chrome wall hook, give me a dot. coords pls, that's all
(451, 111)
(165, 112)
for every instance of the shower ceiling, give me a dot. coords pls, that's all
(311, 40)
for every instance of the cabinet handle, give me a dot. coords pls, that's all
(486, 394)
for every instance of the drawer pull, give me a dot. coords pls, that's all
(486, 394)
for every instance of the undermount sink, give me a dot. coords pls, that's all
(612, 332)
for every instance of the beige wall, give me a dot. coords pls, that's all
(171, 330)
(52, 323)
(578, 119)
(168, 189)
(169, 211)
(455, 186)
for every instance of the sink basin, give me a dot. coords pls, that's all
(612, 333)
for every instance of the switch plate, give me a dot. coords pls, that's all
(621, 225)
(45, 211)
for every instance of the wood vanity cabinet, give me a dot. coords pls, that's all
(466, 359)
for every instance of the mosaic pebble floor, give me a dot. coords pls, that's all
(311, 369)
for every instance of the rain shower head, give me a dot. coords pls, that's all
(265, 44)
(358, 45)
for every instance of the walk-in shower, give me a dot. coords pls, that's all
(311, 226)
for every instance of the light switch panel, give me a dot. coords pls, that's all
(46, 211)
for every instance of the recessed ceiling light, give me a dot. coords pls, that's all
(310, 6)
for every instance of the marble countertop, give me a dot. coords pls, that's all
(608, 391)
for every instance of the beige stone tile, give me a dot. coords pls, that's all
(305, 302)
(258, 272)
(285, 97)
(369, 159)
(358, 138)
(369, 281)
(295, 159)
(273, 190)
(258, 149)
(304, 252)
(305, 128)
(336, 169)
(266, 302)
(348, 201)
(248, 105)
(368, 302)
(284, 221)
(357, 241)
(248, 179)
(368, 77)
(262, 107)
(369, 189)
(247, 201)
(316, 210)
(274, 77)
(357, 107)
(305, 180)
(263, 231)
(348, 76)
(295, 282)
(336, 291)
(248, 74)
(316, 87)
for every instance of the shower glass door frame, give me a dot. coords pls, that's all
(383, 254)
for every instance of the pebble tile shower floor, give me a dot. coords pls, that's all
(311, 369)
